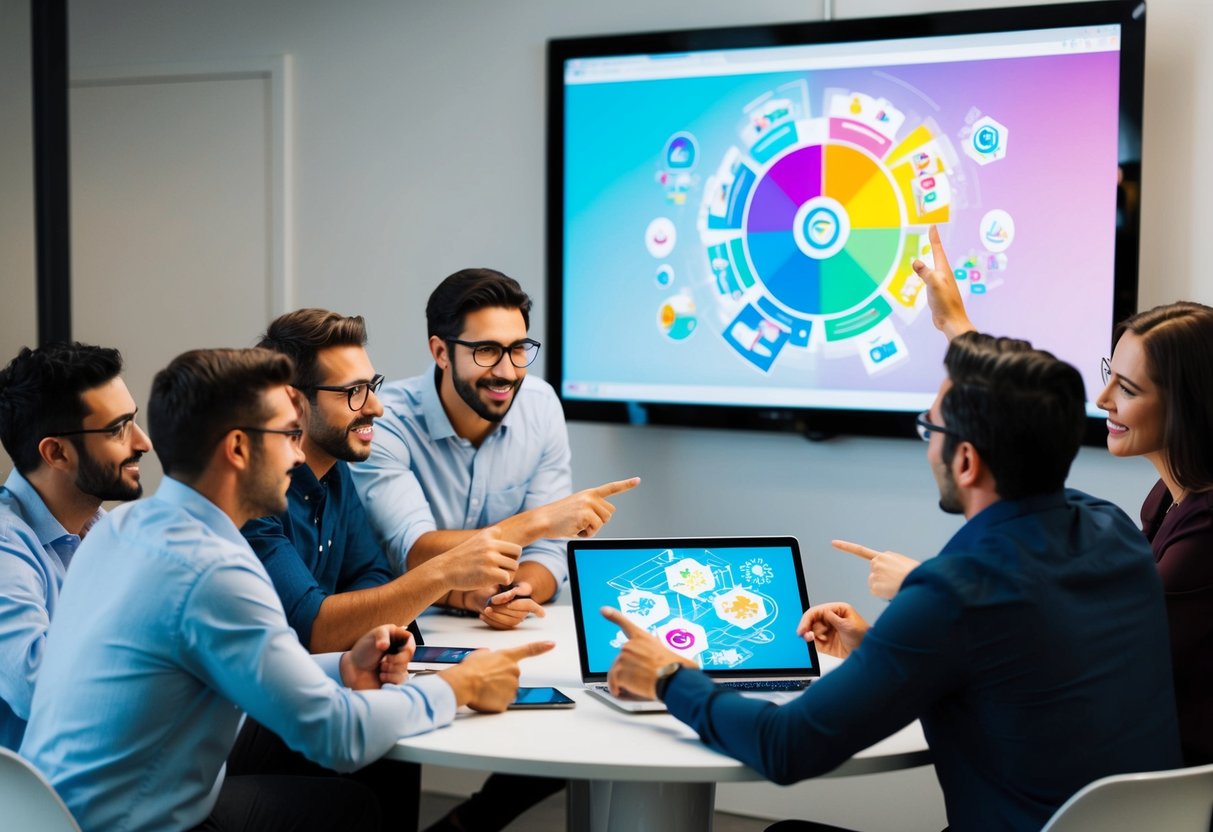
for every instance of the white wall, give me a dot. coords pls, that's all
(419, 149)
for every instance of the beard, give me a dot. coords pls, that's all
(949, 494)
(262, 494)
(336, 441)
(470, 393)
(106, 482)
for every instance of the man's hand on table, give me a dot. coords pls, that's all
(487, 680)
(369, 664)
(634, 671)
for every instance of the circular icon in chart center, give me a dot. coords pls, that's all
(680, 639)
(821, 227)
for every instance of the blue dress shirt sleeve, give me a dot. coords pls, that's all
(552, 481)
(24, 618)
(906, 659)
(233, 637)
(399, 511)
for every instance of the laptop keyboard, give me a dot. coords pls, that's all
(760, 686)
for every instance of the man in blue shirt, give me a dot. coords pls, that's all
(169, 628)
(467, 446)
(326, 564)
(329, 569)
(1033, 648)
(67, 422)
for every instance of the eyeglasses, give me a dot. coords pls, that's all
(356, 394)
(488, 353)
(118, 431)
(294, 434)
(927, 427)
(1105, 367)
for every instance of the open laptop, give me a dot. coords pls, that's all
(729, 603)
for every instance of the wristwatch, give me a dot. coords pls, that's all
(664, 674)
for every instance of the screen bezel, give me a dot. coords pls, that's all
(658, 543)
(819, 423)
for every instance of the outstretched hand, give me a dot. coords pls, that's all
(943, 295)
(886, 570)
(584, 513)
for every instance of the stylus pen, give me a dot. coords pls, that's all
(396, 646)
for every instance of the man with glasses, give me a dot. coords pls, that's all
(333, 577)
(328, 567)
(466, 446)
(1033, 647)
(169, 630)
(67, 422)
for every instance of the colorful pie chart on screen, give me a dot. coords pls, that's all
(810, 229)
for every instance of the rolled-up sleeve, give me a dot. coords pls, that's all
(394, 500)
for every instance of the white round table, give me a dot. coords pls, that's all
(627, 771)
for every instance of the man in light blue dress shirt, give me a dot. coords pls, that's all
(466, 446)
(169, 629)
(67, 422)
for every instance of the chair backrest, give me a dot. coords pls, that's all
(28, 800)
(1180, 800)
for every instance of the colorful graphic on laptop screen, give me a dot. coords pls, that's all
(726, 608)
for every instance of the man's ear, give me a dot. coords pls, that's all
(440, 351)
(236, 450)
(967, 465)
(58, 452)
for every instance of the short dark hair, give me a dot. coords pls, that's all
(41, 394)
(468, 291)
(203, 393)
(304, 333)
(1022, 409)
(1178, 342)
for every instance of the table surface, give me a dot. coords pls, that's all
(594, 741)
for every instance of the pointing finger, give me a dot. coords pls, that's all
(617, 487)
(525, 651)
(629, 627)
(854, 549)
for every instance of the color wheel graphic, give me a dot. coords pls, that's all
(824, 229)
(811, 224)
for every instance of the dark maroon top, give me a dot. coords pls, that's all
(1182, 540)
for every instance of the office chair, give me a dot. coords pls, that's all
(29, 800)
(1180, 800)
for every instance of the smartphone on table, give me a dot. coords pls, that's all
(540, 698)
(430, 657)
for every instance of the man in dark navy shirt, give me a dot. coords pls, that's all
(1033, 648)
(331, 573)
(326, 565)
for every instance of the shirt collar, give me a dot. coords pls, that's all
(176, 493)
(1001, 512)
(437, 423)
(37, 515)
(304, 481)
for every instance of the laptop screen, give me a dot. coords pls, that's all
(730, 604)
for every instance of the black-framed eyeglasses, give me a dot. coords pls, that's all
(355, 394)
(488, 353)
(926, 427)
(1105, 368)
(293, 434)
(118, 431)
